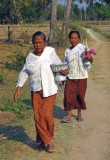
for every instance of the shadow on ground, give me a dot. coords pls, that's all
(17, 133)
(27, 102)
(58, 112)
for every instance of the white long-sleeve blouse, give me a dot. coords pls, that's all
(75, 61)
(38, 69)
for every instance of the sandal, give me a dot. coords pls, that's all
(51, 147)
(79, 119)
(66, 120)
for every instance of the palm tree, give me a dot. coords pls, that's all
(81, 10)
(66, 16)
(87, 3)
(53, 23)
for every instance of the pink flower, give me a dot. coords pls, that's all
(90, 52)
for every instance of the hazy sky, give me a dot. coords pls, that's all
(80, 5)
(64, 1)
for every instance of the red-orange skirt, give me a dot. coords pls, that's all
(43, 116)
(74, 94)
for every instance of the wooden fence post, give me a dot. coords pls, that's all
(10, 34)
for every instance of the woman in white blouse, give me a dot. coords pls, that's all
(76, 83)
(42, 86)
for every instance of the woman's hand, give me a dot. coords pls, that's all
(17, 93)
(63, 72)
(89, 58)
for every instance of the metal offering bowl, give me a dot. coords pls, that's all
(57, 68)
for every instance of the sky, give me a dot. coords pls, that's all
(80, 5)
(62, 1)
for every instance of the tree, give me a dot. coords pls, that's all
(87, 3)
(60, 11)
(66, 16)
(103, 12)
(53, 23)
(107, 1)
(42, 9)
(79, 3)
(10, 9)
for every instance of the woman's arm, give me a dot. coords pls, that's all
(64, 72)
(23, 76)
(21, 80)
(17, 93)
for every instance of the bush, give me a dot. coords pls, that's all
(107, 35)
(16, 107)
(17, 61)
(96, 29)
(2, 79)
(61, 38)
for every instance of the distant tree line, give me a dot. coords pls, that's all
(32, 11)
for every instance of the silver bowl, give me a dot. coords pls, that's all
(59, 67)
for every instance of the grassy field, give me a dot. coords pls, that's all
(18, 133)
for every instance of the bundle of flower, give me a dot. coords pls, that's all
(86, 62)
(90, 52)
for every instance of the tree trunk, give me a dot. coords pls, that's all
(53, 23)
(81, 14)
(85, 15)
(66, 16)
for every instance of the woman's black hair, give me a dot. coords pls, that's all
(39, 33)
(74, 32)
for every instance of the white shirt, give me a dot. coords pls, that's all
(38, 69)
(75, 61)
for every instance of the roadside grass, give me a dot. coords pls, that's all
(101, 27)
(100, 68)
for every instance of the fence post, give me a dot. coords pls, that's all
(10, 34)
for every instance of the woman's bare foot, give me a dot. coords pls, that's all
(79, 118)
(69, 115)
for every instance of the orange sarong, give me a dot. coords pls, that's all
(43, 116)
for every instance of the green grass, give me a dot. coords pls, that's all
(16, 107)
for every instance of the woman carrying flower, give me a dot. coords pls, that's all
(76, 83)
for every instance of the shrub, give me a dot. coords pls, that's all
(16, 107)
(61, 38)
(107, 35)
(17, 61)
(2, 79)
(96, 29)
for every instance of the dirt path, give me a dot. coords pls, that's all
(93, 135)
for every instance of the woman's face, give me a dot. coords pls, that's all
(39, 44)
(74, 39)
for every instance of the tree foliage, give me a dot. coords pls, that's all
(103, 12)
(31, 11)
